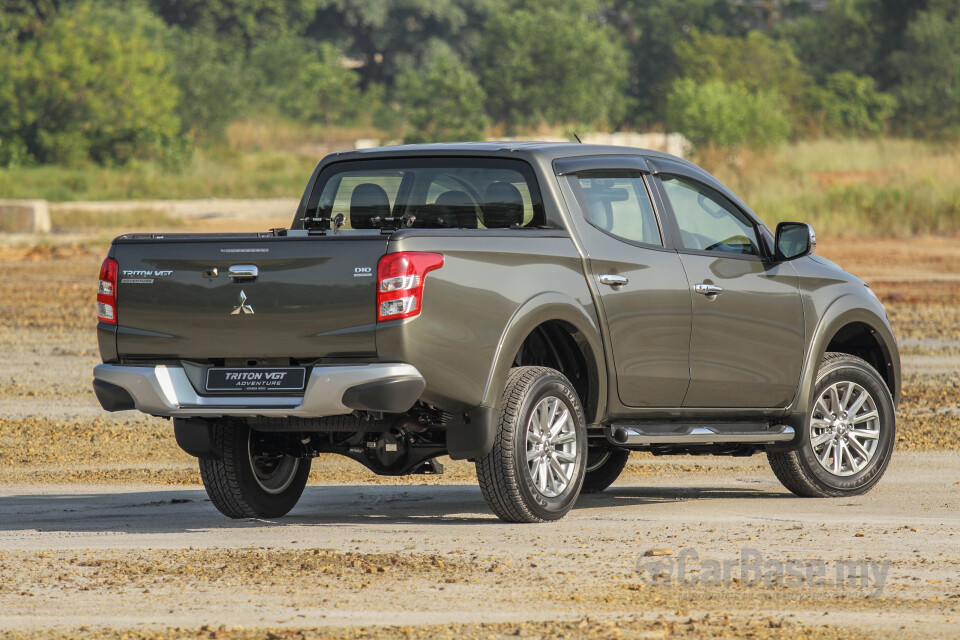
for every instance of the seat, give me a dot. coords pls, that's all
(368, 206)
(456, 209)
(502, 206)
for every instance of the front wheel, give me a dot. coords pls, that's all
(535, 470)
(853, 428)
(255, 478)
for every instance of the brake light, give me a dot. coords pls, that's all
(107, 292)
(400, 278)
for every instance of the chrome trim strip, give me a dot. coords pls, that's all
(622, 435)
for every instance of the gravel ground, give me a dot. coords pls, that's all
(106, 533)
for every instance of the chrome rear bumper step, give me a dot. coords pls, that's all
(690, 434)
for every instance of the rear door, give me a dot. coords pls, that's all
(222, 297)
(640, 283)
(747, 344)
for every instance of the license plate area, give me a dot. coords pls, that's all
(255, 379)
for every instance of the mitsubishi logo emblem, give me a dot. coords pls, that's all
(242, 306)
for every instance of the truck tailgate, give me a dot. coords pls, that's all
(312, 297)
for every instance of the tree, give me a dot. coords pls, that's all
(89, 91)
(442, 99)
(928, 70)
(250, 21)
(851, 105)
(304, 81)
(385, 36)
(651, 30)
(552, 63)
(726, 115)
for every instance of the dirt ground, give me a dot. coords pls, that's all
(105, 530)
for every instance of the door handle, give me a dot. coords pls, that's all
(708, 289)
(243, 272)
(613, 280)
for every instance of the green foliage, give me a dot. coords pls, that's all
(442, 99)
(304, 82)
(928, 67)
(387, 36)
(851, 105)
(212, 80)
(552, 64)
(90, 91)
(650, 30)
(249, 21)
(726, 115)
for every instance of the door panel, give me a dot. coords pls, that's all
(648, 316)
(747, 344)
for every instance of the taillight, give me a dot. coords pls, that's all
(107, 292)
(400, 279)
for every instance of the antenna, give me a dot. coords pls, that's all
(577, 137)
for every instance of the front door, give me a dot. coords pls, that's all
(747, 343)
(641, 285)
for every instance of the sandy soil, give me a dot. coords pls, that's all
(106, 532)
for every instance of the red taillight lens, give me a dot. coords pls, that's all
(400, 279)
(107, 292)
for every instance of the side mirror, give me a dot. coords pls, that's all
(794, 240)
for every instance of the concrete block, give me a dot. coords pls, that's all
(24, 216)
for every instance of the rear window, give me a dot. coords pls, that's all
(429, 193)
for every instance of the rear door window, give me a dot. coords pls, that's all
(618, 202)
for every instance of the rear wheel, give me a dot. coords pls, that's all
(852, 432)
(535, 470)
(255, 478)
(604, 466)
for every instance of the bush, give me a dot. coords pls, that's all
(726, 115)
(851, 105)
(442, 100)
(89, 91)
(552, 64)
(304, 82)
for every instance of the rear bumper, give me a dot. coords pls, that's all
(165, 390)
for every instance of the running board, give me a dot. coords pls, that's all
(691, 434)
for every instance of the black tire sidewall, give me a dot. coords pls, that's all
(263, 503)
(539, 504)
(850, 370)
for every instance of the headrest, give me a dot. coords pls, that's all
(502, 206)
(368, 201)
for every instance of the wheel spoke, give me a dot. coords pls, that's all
(835, 401)
(837, 455)
(564, 438)
(864, 417)
(826, 436)
(532, 454)
(551, 407)
(845, 402)
(832, 444)
(850, 457)
(858, 448)
(542, 476)
(855, 407)
(559, 476)
(563, 456)
(559, 423)
(864, 433)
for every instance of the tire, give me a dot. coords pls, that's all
(241, 487)
(506, 478)
(603, 468)
(846, 456)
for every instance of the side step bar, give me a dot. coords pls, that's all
(691, 434)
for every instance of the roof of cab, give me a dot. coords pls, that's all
(542, 150)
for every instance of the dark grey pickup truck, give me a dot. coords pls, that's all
(540, 309)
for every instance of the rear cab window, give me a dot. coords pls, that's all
(618, 203)
(428, 193)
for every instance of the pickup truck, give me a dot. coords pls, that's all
(539, 309)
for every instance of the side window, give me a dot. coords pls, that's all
(618, 203)
(707, 220)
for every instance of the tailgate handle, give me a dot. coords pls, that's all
(243, 272)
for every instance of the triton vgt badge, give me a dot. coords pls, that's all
(242, 306)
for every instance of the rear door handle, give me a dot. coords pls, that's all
(613, 280)
(243, 272)
(708, 289)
